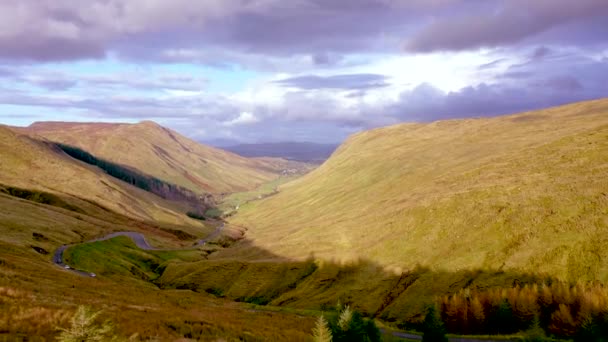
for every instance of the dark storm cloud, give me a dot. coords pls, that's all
(49, 30)
(541, 52)
(55, 81)
(44, 49)
(500, 23)
(352, 81)
(56, 84)
(246, 31)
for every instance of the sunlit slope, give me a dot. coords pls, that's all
(527, 191)
(164, 154)
(34, 165)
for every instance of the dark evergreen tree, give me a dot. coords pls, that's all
(591, 331)
(432, 328)
(349, 326)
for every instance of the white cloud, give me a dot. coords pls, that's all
(245, 118)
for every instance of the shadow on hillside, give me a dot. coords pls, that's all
(480, 301)
(260, 277)
(247, 273)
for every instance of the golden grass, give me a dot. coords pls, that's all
(165, 154)
(228, 204)
(525, 192)
(34, 165)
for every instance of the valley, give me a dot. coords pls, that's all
(449, 213)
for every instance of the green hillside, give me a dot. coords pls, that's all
(526, 192)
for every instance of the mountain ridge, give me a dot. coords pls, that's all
(163, 153)
(39, 165)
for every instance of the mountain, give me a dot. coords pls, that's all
(164, 154)
(35, 165)
(300, 151)
(525, 192)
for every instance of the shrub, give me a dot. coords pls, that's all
(349, 325)
(84, 327)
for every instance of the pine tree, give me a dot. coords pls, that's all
(345, 316)
(535, 333)
(321, 332)
(589, 331)
(432, 327)
(85, 329)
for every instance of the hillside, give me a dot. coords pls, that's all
(164, 154)
(37, 166)
(37, 296)
(301, 151)
(525, 192)
(48, 199)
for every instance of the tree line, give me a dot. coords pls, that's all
(135, 178)
(578, 312)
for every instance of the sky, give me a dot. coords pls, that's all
(295, 70)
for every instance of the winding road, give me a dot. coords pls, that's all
(416, 337)
(139, 240)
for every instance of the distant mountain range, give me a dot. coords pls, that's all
(300, 151)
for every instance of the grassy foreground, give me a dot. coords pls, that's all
(37, 297)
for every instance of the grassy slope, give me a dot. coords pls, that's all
(31, 164)
(36, 296)
(230, 202)
(164, 154)
(526, 192)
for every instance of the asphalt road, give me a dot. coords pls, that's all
(137, 238)
(416, 337)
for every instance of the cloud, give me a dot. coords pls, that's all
(500, 23)
(303, 68)
(244, 118)
(549, 85)
(140, 81)
(352, 81)
(275, 34)
(55, 84)
(56, 30)
(492, 64)
(268, 111)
